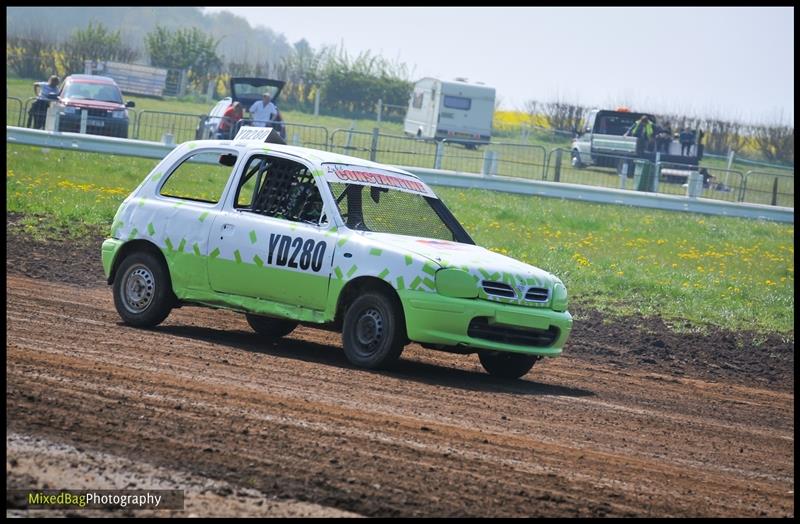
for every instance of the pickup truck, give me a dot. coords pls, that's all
(602, 142)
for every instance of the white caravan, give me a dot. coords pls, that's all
(454, 110)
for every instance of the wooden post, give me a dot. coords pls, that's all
(775, 192)
(557, 175)
(373, 150)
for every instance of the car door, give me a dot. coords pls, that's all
(272, 240)
(188, 198)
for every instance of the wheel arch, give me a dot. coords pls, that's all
(359, 286)
(134, 246)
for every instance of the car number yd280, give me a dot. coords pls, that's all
(296, 252)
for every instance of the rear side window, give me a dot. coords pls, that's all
(457, 102)
(200, 178)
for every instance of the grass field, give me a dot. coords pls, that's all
(724, 271)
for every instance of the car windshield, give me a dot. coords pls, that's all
(87, 91)
(387, 201)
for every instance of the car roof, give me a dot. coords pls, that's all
(91, 79)
(316, 155)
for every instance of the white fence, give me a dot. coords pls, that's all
(142, 148)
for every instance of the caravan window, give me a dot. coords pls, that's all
(457, 102)
(418, 97)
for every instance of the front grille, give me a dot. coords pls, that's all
(480, 327)
(498, 289)
(537, 294)
(97, 112)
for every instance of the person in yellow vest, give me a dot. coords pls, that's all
(643, 130)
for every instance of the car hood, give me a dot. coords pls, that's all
(480, 262)
(92, 104)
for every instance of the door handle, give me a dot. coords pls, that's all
(226, 229)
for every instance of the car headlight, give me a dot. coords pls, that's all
(68, 110)
(559, 297)
(119, 114)
(456, 283)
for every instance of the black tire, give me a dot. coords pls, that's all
(507, 365)
(270, 327)
(373, 333)
(142, 290)
(576, 159)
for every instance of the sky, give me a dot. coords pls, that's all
(731, 62)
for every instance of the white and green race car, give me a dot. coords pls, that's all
(290, 235)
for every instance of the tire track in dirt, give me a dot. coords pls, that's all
(435, 436)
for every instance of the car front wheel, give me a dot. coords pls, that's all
(507, 365)
(142, 290)
(373, 334)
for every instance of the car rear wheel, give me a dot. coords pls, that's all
(507, 365)
(270, 327)
(142, 290)
(373, 334)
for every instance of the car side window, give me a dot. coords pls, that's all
(201, 177)
(280, 188)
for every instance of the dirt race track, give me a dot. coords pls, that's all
(631, 421)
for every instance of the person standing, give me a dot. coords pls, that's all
(232, 115)
(642, 129)
(663, 138)
(686, 139)
(45, 92)
(263, 112)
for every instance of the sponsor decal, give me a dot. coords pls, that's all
(369, 176)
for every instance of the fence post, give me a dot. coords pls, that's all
(349, 137)
(657, 174)
(775, 192)
(211, 90)
(316, 103)
(489, 163)
(374, 148)
(731, 154)
(378, 106)
(437, 160)
(84, 117)
(623, 173)
(183, 81)
(743, 189)
(557, 174)
(694, 188)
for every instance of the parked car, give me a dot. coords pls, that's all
(290, 235)
(101, 98)
(246, 91)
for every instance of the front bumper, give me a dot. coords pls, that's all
(435, 319)
(114, 127)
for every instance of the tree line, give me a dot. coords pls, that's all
(348, 85)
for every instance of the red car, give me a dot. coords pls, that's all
(101, 97)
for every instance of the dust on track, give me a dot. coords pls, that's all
(597, 432)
